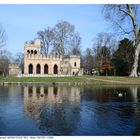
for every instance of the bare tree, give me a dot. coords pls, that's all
(5, 58)
(88, 61)
(4, 55)
(103, 47)
(2, 37)
(63, 31)
(125, 18)
(20, 60)
(46, 37)
(75, 44)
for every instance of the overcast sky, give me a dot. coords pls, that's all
(22, 22)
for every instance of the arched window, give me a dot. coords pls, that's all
(30, 69)
(28, 52)
(35, 52)
(32, 51)
(38, 69)
(75, 64)
(45, 69)
(55, 69)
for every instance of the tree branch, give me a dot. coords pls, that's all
(127, 13)
(126, 32)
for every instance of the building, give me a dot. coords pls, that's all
(37, 64)
(14, 69)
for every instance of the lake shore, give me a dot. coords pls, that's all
(75, 80)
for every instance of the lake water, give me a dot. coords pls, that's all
(69, 110)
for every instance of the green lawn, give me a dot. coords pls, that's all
(74, 79)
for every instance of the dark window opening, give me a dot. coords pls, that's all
(55, 70)
(38, 69)
(75, 64)
(46, 69)
(30, 69)
(31, 51)
(28, 51)
(35, 52)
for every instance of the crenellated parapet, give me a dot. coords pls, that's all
(44, 57)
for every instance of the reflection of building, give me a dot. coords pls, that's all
(53, 108)
(42, 64)
(36, 96)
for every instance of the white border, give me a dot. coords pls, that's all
(75, 2)
(70, 1)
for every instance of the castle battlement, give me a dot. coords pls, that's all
(46, 57)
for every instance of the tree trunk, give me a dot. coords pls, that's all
(135, 64)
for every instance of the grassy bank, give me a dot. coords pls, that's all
(75, 79)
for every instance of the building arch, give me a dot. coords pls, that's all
(35, 52)
(38, 69)
(30, 69)
(28, 51)
(32, 51)
(55, 69)
(45, 69)
(74, 64)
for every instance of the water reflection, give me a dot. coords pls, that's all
(83, 111)
(67, 110)
(111, 94)
(55, 109)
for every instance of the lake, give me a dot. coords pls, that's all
(69, 110)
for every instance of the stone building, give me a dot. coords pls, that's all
(14, 69)
(37, 64)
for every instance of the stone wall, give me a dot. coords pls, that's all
(14, 69)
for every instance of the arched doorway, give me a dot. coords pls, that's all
(55, 69)
(30, 69)
(45, 69)
(38, 69)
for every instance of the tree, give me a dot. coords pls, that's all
(5, 58)
(64, 37)
(46, 37)
(2, 37)
(126, 18)
(75, 43)
(103, 48)
(20, 60)
(106, 66)
(3, 54)
(123, 57)
(88, 61)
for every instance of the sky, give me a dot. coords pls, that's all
(22, 22)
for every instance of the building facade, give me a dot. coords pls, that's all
(39, 64)
(14, 69)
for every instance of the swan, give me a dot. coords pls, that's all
(120, 94)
